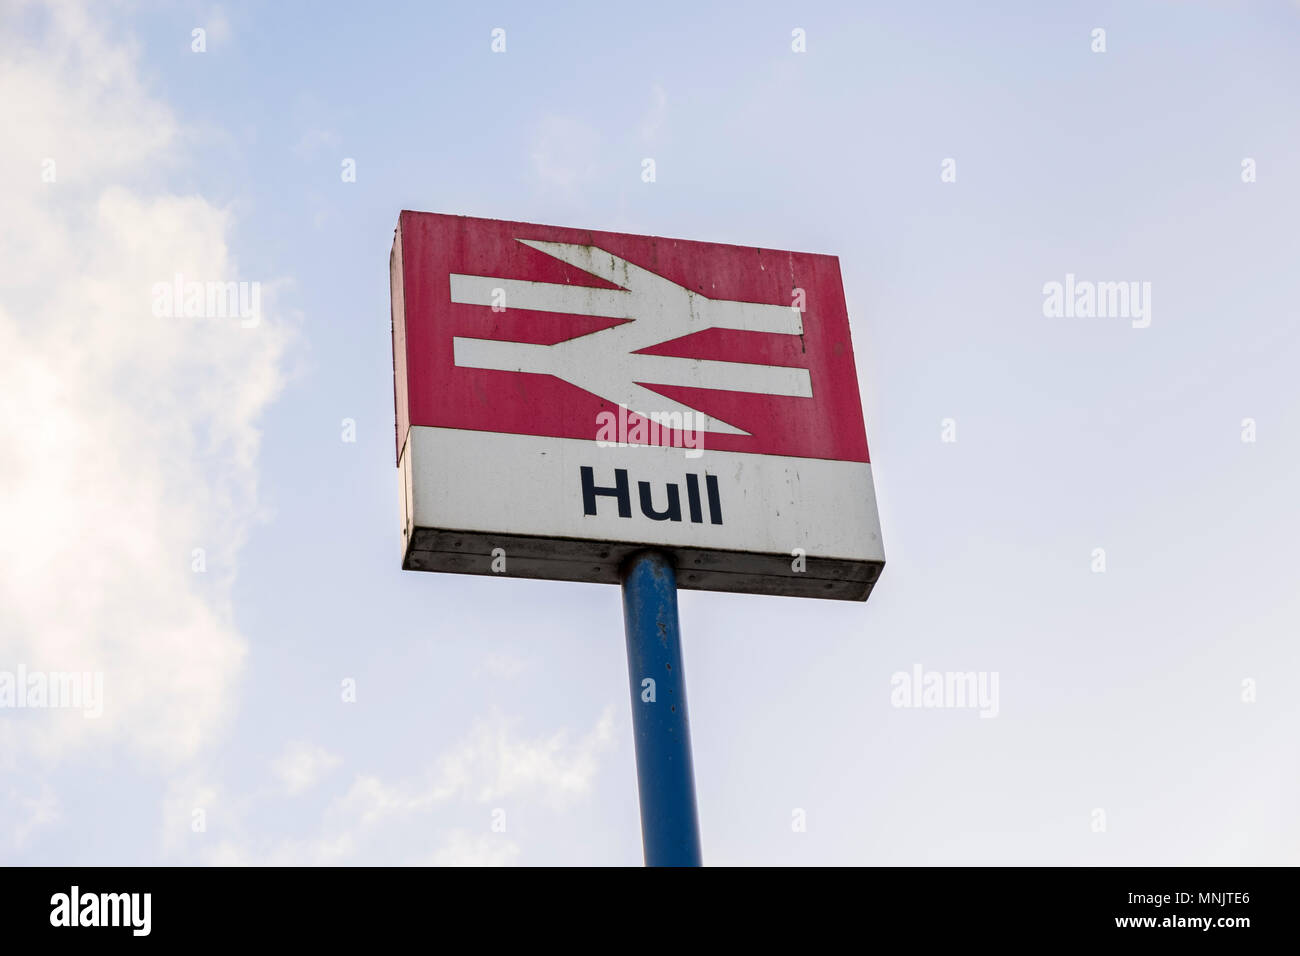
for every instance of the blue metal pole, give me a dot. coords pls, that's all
(670, 827)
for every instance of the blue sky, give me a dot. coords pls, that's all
(1120, 691)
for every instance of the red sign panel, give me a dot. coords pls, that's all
(536, 330)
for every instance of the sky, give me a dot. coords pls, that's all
(1099, 513)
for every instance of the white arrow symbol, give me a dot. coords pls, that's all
(604, 363)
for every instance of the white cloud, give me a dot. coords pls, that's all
(126, 440)
(313, 141)
(655, 117)
(218, 26)
(33, 811)
(505, 666)
(488, 849)
(565, 151)
(187, 794)
(302, 766)
(490, 766)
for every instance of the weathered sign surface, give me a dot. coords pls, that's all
(566, 396)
